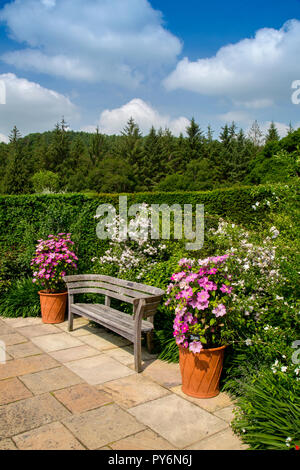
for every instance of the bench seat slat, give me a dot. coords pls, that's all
(110, 317)
(93, 317)
(123, 318)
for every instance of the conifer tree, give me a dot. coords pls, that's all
(272, 134)
(75, 167)
(59, 149)
(176, 162)
(151, 159)
(130, 148)
(97, 147)
(16, 179)
(194, 141)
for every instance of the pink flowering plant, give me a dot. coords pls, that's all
(54, 258)
(200, 293)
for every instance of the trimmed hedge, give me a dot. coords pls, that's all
(25, 218)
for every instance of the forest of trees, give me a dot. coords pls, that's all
(65, 161)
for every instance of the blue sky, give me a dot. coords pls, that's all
(97, 62)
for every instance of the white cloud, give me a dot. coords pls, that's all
(31, 107)
(119, 41)
(256, 104)
(236, 116)
(255, 72)
(114, 120)
(4, 138)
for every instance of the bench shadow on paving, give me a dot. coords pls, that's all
(79, 390)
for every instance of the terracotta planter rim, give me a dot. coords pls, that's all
(43, 292)
(209, 349)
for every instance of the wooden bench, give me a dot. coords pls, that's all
(145, 300)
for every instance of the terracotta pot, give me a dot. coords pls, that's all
(201, 371)
(53, 306)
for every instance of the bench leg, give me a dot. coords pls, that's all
(150, 342)
(70, 321)
(70, 314)
(138, 310)
(138, 355)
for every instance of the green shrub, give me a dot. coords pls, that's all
(20, 300)
(268, 411)
(45, 181)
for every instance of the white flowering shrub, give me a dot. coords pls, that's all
(131, 257)
(260, 286)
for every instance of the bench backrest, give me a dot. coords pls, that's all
(111, 287)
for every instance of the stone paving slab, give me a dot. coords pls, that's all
(226, 413)
(20, 321)
(28, 414)
(76, 322)
(103, 341)
(55, 342)
(13, 338)
(26, 365)
(50, 380)
(12, 390)
(32, 331)
(165, 374)
(177, 420)
(99, 369)
(23, 350)
(224, 440)
(144, 440)
(82, 398)
(125, 355)
(5, 329)
(133, 390)
(80, 328)
(73, 354)
(52, 436)
(209, 404)
(99, 427)
(7, 444)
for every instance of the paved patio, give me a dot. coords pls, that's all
(79, 390)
